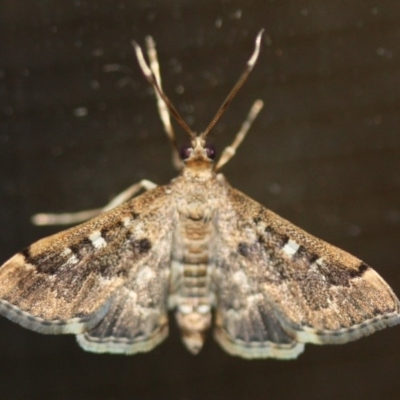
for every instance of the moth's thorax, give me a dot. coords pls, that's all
(197, 195)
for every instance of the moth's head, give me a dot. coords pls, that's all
(198, 153)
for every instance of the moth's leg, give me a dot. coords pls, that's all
(161, 105)
(230, 151)
(80, 216)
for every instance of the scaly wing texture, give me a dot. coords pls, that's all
(108, 276)
(279, 287)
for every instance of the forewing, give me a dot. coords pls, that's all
(279, 287)
(69, 282)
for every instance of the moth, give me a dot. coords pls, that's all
(201, 248)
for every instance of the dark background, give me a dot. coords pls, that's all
(324, 153)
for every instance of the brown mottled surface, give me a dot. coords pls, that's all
(325, 154)
(65, 276)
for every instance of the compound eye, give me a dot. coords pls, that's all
(211, 152)
(186, 151)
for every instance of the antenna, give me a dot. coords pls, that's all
(151, 78)
(149, 75)
(249, 67)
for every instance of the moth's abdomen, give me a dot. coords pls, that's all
(195, 281)
(191, 292)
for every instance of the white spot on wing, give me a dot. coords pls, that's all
(66, 252)
(126, 222)
(145, 275)
(291, 248)
(72, 257)
(240, 278)
(320, 262)
(97, 240)
(72, 260)
(139, 230)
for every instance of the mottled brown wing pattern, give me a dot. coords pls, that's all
(274, 286)
(97, 271)
(279, 287)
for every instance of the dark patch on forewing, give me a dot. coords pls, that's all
(27, 255)
(303, 255)
(276, 239)
(260, 240)
(243, 249)
(82, 248)
(107, 231)
(113, 232)
(119, 262)
(143, 245)
(257, 220)
(50, 262)
(340, 275)
(362, 268)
